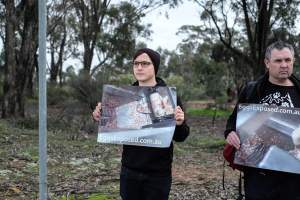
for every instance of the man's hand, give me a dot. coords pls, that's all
(97, 112)
(179, 115)
(233, 139)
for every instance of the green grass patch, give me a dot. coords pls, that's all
(91, 197)
(208, 112)
(99, 197)
(207, 142)
(4, 130)
(31, 152)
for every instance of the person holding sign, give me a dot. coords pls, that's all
(146, 171)
(278, 87)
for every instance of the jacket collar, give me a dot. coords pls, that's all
(263, 80)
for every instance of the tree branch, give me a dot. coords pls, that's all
(251, 42)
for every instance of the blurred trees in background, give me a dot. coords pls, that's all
(245, 28)
(99, 38)
(19, 33)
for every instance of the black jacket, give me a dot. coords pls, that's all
(251, 93)
(151, 160)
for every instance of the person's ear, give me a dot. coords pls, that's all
(267, 61)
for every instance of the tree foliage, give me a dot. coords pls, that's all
(77, 29)
(220, 54)
(246, 27)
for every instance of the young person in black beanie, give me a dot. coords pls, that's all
(146, 171)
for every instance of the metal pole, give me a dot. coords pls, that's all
(42, 102)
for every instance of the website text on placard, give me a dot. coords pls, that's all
(263, 108)
(121, 140)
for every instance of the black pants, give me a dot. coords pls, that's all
(270, 185)
(140, 186)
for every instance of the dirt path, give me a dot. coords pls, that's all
(198, 164)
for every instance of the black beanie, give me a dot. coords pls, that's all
(154, 56)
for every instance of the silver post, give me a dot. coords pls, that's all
(42, 102)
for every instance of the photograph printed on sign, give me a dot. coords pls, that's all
(135, 115)
(270, 137)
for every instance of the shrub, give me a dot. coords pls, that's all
(56, 94)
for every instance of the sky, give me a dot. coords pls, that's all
(164, 29)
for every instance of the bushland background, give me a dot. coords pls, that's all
(208, 67)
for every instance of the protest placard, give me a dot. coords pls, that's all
(270, 137)
(133, 115)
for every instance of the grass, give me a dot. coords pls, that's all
(208, 112)
(206, 142)
(91, 197)
(19, 163)
(98, 176)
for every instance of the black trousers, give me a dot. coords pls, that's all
(140, 186)
(271, 185)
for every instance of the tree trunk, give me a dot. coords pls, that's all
(27, 54)
(263, 29)
(56, 66)
(31, 79)
(91, 20)
(9, 89)
(53, 68)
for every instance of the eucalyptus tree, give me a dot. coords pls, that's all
(107, 30)
(118, 41)
(81, 28)
(20, 46)
(60, 37)
(9, 95)
(245, 27)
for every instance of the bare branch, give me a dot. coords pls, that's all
(251, 42)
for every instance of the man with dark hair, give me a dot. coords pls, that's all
(146, 171)
(277, 87)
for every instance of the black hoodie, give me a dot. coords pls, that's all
(152, 160)
(251, 93)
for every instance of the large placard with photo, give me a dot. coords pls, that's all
(270, 137)
(141, 116)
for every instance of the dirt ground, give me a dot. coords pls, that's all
(81, 168)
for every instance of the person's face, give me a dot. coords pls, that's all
(143, 68)
(280, 64)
